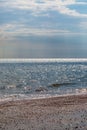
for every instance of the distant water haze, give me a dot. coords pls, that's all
(50, 47)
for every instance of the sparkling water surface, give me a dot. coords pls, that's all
(41, 79)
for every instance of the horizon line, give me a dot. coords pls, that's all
(25, 60)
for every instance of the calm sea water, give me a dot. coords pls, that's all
(41, 79)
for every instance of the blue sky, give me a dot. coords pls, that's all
(43, 28)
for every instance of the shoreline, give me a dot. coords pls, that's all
(55, 113)
(76, 98)
(13, 98)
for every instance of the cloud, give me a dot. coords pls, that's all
(14, 30)
(11, 31)
(37, 7)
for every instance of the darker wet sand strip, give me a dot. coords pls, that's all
(56, 113)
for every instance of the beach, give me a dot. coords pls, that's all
(54, 113)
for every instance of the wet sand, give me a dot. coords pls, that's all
(58, 113)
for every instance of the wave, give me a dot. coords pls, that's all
(61, 84)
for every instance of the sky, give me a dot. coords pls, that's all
(43, 28)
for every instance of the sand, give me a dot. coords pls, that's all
(58, 113)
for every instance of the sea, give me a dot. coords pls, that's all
(41, 78)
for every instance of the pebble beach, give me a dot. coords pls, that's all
(55, 113)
